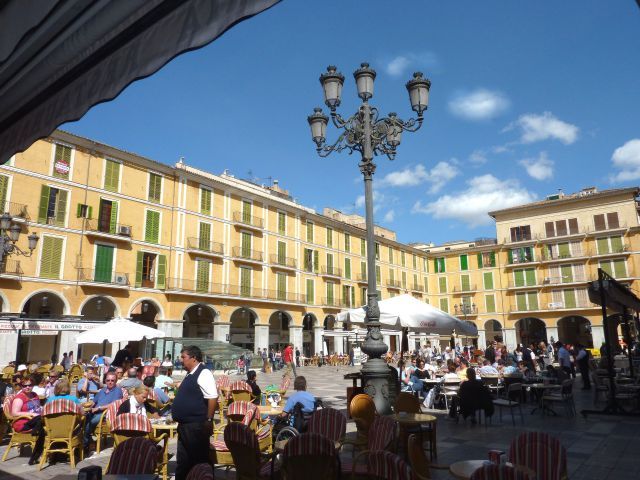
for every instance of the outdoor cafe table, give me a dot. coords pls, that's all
(542, 387)
(161, 427)
(465, 468)
(406, 419)
(269, 410)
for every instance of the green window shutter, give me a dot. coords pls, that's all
(61, 208)
(569, 299)
(567, 273)
(403, 259)
(392, 275)
(479, 260)
(245, 244)
(363, 269)
(114, 217)
(530, 276)
(435, 265)
(363, 296)
(161, 276)
(155, 187)
(488, 280)
(89, 212)
(282, 252)
(329, 262)
(490, 303)
(111, 175)
(377, 246)
(307, 259)
(281, 285)
(79, 211)
(139, 258)
(442, 265)
(363, 247)
(316, 261)
(464, 263)
(44, 204)
(390, 255)
(202, 276)
(329, 237)
(205, 201)
(616, 244)
(4, 188)
(347, 242)
(415, 280)
(606, 267)
(532, 299)
(492, 258)
(426, 284)
(510, 256)
(619, 268)
(246, 211)
(377, 274)
(245, 282)
(518, 277)
(353, 296)
(282, 226)
(404, 279)
(51, 257)
(442, 283)
(603, 245)
(563, 250)
(415, 262)
(204, 236)
(347, 268)
(521, 301)
(152, 227)
(309, 232)
(310, 292)
(104, 263)
(465, 283)
(330, 293)
(444, 305)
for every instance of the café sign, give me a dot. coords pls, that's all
(40, 327)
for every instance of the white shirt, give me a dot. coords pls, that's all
(137, 408)
(206, 382)
(488, 370)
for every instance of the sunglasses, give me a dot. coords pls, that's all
(110, 380)
(27, 385)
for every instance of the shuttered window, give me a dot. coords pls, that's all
(161, 275)
(404, 280)
(104, 263)
(329, 288)
(204, 236)
(612, 220)
(282, 223)
(439, 265)
(282, 253)
(246, 211)
(616, 244)
(403, 259)
(245, 244)
(310, 232)
(363, 247)
(442, 283)
(111, 175)
(202, 276)
(330, 263)
(316, 261)
(152, 227)
(155, 187)
(310, 291)
(561, 228)
(488, 280)
(281, 286)
(490, 303)
(425, 281)
(347, 242)
(4, 192)
(566, 273)
(62, 162)
(308, 260)
(603, 245)
(518, 278)
(392, 275)
(377, 251)
(444, 305)
(245, 281)
(569, 299)
(465, 283)
(464, 262)
(347, 268)
(329, 237)
(530, 276)
(415, 280)
(605, 222)
(573, 226)
(415, 262)
(51, 257)
(363, 296)
(526, 301)
(363, 270)
(378, 274)
(390, 255)
(53, 206)
(205, 201)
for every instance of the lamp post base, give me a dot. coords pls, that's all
(379, 384)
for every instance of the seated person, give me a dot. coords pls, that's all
(163, 380)
(138, 403)
(488, 369)
(451, 375)
(301, 395)
(88, 385)
(132, 380)
(62, 390)
(160, 395)
(525, 370)
(473, 395)
(461, 369)
(39, 387)
(510, 370)
(421, 372)
(101, 400)
(27, 404)
(255, 389)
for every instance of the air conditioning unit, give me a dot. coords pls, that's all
(546, 280)
(124, 230)
(121, 279)
(554, 305)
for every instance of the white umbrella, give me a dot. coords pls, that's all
(118, 330)
(407, 311)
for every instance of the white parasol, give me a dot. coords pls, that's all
(118, 330)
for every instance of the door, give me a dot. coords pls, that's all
(104, 217)
(104, 264)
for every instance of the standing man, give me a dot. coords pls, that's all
(297, 357)
(564, 358)
(287, 358)
(193, 409)
(582, 359)
(123, 357)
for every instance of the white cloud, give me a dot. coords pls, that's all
(484, 194)
(535, 128)
(627, 159)
(399, 64)
(540, 168)
(379, 200)
(480, 104)
(389, 216)
(438, 176)
(478, 157)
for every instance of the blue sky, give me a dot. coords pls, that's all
(527, 98)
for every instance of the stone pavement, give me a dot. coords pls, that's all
(599, 447)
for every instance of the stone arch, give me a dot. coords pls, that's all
(5, 306)
(329, 323)
(99, 307)
(45, 304)
(279, 323)
(493, 330)
(574, 329)
(241, 330)
(531, 330)
(146, 310)
(309, 343)
(198, 321)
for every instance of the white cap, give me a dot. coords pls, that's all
(22, 367)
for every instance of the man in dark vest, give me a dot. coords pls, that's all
(193, 408)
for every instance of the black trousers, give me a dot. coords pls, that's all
(193, 447)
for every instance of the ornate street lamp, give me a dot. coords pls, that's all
(9, 236)
(364, 132)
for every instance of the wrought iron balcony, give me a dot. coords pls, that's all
(396, 284)
(10, 268)
(112, 279)
(247, 254)
(417, 288)
(464, 288)
(282, 261)
(16, 210)
(205, 246)
(245, 219)
(617, 250)
(468, 310)
(333, 302)
(361, 278)
(556, 256)
(111, 230)
(331, 271)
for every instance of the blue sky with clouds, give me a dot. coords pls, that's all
(527, 98)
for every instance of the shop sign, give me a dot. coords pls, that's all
(9, 327)
(61, 167)
(37, 327)
(38, 332)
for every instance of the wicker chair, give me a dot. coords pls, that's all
(408, 403)
(64, 428)
(242, 412)
(382, 436)
(241, 390)
(419, 463)
(130, 425)
(499, 472)
(135, 456)
(310, 456)
(329, 423)
(250, 463)
(103, 429)
(385, 465)
(75, 373)
(201, 471)
(222, 383)
(363, 412)
(7, 373)
(17, 439)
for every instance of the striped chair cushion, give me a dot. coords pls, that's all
(240, 386)
(541, 452)
(263, 431)
(499, 472)
(219, 445)
(222, 381)
(309, 444)
(135, 456)
(247, 409)
(284, 385)
(328, 422)
(131, 422)
(383, 464)
(382, 433)
(125, 394)
(6, 405)
(201, 471)
(112, 410)
(61, 405)
(239, 433)
(348, 466)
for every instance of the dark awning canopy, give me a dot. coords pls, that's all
(58, 58)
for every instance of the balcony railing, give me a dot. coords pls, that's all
(120, 229)
(524, 259)
(525, 308)
(15, 209)
(249, 220)
(195, 243)
(283, 261)
(563, 305)
(549, 256)
(331, 271)
(334, 302)
(519, 239)
(211, 288)
(100, 276)
(361, 277)
(462, 310)
(417, 288)
(624, 248)
(512, 284)
(246, 254)
(393, 284)
(559, 280)
(10, 267)
(592, 230)
(464, 288)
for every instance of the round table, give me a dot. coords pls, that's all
(404, 418)
(465, 468)
(159, 428)
(269, 410)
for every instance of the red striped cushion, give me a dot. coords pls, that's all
(347, 465)
(329, 423)
(219, 445)
(61, 405)
(239, 433)
(240, 386)
(6, 405)
(201, 471)
(383, 464)
(222, 381)
(112, 409)
(265, 469)
(242, 408)
(263, 431)
(284, 385)
(541, 452)
(135, 456)
(382, 433)
(499, 472)
(309, 444)
(131, 422)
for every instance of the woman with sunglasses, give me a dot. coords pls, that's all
(27, 404)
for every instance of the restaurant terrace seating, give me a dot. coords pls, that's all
(240, 390)
(329, 423)
(201, 471)
(310, 456)
(500, 472)
(382, 436)
(103, 430)
(385, 465)
(514, 390)
(408, 403)
(16, 439)
(242, 442)
(363, 412)
(64, 428)
(135, 456)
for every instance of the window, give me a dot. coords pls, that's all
(245, 281)
(404, 280)
(391, 255)
(282, 223)
(282, 253)
(444, 305)
(329, 290)
(526, 301)
(377, 251)
(246, 240)
(152, 227)
(107, 216)
(247, 208)
(347, 268)
(4, 193)
(349, 296)
(392, 276)
(104, 263)
(615, 268)
(490, 303)
(84, 211)
(526, 277)
(309, 232)
(610, 245)
(329, 237)
(330, 264)
(415, 281)
(465, 283)
(310, 291)
(53, 206)
(281, 286)
(403, 259)
(415, 262)
(62, 162)
(464, 262)
(155, 187)
(520, 255)
(606, 221)
(566, 273)
(151, 270)
(378, 274)
(203, 268)
(425, 280)
(311, 260)
(363, 270)
(487, 278)
(439, 265)
(442, 284)
(111, 175)
(363, 296)
(561, 228)
(569, 298)
(363, 247)
(204, 236)
(425, 265)
(205, 201)
(51, 257)
(520, 233)
(347, 242)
